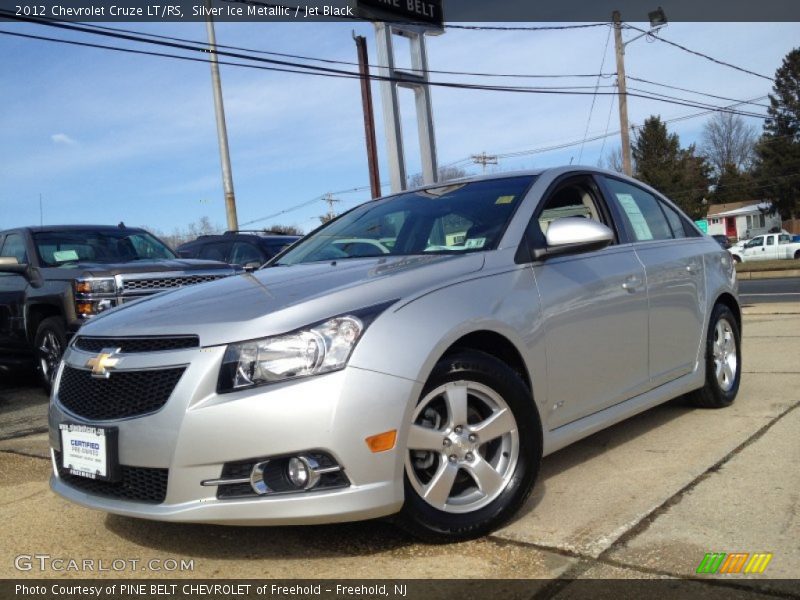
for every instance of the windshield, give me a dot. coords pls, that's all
(104, 246)
(447, 219)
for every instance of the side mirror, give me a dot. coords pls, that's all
(251, 266)
(9, 264)
(570, 235)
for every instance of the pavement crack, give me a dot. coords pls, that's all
(644, 523)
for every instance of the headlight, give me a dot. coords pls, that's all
(96, 286)
(313, 350)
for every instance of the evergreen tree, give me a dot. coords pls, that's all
(778, 166)
(680, 174)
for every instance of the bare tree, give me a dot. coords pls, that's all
(613, 160)
(728, 140)
(284, 229)
(204, 226)
(445, 174)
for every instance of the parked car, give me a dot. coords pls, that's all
(53, 279)
(513, 315)
(722, 240)
(772, 246)
(249, 249)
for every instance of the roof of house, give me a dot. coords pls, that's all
(737, 208)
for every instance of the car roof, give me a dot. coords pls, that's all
(56, 228)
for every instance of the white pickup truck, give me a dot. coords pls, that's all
(766, 247)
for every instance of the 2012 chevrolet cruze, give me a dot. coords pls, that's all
(417, 355)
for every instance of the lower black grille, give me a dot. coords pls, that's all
(137, 344)
(138, 484)
(124, 394)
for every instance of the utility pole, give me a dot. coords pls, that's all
(330, 201)
(222, 131)
(484, 159)
(623, 95)
(369, 115)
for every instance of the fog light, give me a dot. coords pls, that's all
(298, 472)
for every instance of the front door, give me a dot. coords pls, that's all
(594, 306)
(730, 228)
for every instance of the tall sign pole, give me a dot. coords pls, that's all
(411, 20)
(222, 131)
(622, 88)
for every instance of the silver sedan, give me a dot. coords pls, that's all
(497, 320)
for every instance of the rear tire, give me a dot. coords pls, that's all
(473, 450)
(49, 344)
(723, 361)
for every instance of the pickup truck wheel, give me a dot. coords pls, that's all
(50, 342)
(723, 361)
(473, 450)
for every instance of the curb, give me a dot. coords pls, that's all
(784, 273)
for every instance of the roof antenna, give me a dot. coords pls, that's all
(121, 225)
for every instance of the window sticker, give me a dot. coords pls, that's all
(638, 222)
(504, 200)
(65, 255)
(475, 243)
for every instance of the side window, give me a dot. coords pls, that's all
(784, 238)
(572, 199)
(214, 251)
(756, 242)
(14, 246)
(643, 211)
(675, 221)
(244, 253)
(770, 240)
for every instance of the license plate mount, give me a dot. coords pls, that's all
(89, 451)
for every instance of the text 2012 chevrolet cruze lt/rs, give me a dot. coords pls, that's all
(418, 355)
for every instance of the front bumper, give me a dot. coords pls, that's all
(198, 430)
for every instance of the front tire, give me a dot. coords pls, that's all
(723, 361)
(49, 343)
(473, 450)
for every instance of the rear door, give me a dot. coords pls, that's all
(594, 306)
(672, 254)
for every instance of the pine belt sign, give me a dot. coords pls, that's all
(426, 12)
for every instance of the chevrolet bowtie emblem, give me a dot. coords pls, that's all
(104, 361)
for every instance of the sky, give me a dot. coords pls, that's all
(104, 137)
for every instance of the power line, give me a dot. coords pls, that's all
(327, 71)
(690, 91)
(608, 124)
(700, 54)
(594, 96)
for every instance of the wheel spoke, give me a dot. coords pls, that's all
(438, 489)
(456, 398)
(489, 481)
(424, 438)
(499, 423)
(727, 371)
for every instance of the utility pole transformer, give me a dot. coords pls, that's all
(417, 80)
(484, 159)
(627, 165)
(222, 131)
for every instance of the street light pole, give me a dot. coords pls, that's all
(627, 166)
(222, 131)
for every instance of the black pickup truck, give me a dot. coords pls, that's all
(52, 279)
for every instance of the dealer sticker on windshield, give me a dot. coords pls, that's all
(86, 451)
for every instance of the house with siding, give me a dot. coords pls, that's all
(741, 220)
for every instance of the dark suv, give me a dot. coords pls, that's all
(52, 279)
(249, 249)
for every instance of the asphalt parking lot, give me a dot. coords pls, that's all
(647, 498)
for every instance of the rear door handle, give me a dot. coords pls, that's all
(631, 284)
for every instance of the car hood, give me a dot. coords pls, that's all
(280, 299)
(101, 269)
